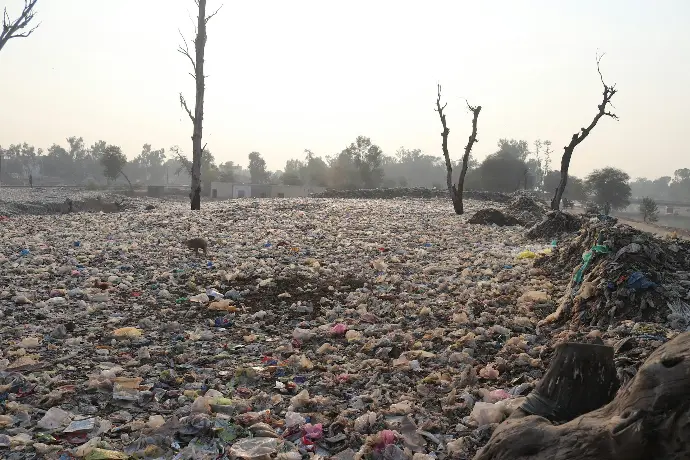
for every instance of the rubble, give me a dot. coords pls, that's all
(330, 327)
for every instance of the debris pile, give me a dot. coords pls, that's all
(491, 216)
(620, 273)
(526, 209)
(554, 224)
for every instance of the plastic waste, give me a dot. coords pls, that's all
(486, 413)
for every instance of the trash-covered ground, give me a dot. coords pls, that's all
(414, 192)
(328, 327)
(16, 201)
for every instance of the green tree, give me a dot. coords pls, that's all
(367, 159)
(609, 186)
(257, 168)
(649, 210)
(291, 178)
(226, 171)
(502, 172)
(151, 163)
(113, 162)
(514, 148)
(316, 170)
(574, 190)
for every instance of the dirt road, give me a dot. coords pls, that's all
(655, 229)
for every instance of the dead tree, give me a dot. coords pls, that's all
(198, 116)
(20, 27)
(647, 419)
(456, 190)
(608, 93)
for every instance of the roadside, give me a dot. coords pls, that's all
(655, 229)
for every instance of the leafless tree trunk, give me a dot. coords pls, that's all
(198, 116)
(608, 93)
(18, 28)
(456, 191)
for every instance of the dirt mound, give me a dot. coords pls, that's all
(620, 273)
(553, 224)
(490, 216)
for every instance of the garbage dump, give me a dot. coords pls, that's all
(63, 200)
(404, 192)
(331, 327)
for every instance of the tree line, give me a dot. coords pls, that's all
(514, 165)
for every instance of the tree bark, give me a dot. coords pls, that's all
(565, 164)
(456, 192)
(200, 45)
(581, 378)
(466, 157)
(608, 93)
(198, 116)
(648, 419)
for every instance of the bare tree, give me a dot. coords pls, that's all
(198, 116)
(608, 93)
(20, 27)
(456, 191)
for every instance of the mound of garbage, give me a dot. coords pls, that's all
(619, 273)
(491, 216)
(526, 209)
(554, 224)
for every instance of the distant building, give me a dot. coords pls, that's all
(226, 190)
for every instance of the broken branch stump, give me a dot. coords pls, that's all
(581, 378)
(648, 419)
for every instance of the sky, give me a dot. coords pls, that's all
(314, 74)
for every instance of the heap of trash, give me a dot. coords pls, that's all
(619, 273)
(346, 329)
(553, 224)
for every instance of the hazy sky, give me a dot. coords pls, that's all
(290, 75)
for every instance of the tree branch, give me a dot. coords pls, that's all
(11, 28)
(208, 18)
(186, 164)
(183, 103)
(444, 142)
(577, 138)
(185, 52)
(608, 93)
